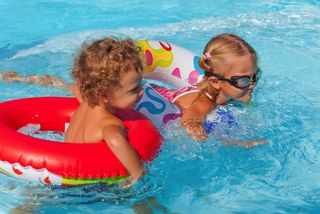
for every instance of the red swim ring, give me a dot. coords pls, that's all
(65, 163)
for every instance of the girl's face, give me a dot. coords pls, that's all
(238, 66)
(128, 93)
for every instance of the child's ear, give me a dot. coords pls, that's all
(214, 82)
(104, 100)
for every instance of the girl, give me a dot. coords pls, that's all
(231, 72)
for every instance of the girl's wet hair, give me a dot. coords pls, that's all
(101, 65)
(216, 53)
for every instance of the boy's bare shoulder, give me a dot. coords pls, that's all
(113, 129)
(111, 122)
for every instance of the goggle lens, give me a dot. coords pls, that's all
(242, 82)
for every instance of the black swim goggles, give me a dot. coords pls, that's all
(241, 82)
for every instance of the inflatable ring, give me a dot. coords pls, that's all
(58, 163)
(178, 67)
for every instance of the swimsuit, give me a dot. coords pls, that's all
(173, 94)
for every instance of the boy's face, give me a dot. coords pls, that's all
(128, 93)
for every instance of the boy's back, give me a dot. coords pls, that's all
(87, 124)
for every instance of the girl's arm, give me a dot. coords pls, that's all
(193, 117)
(246, 143)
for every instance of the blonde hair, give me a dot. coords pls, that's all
(101, 65)
(215, 54)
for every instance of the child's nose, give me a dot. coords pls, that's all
(140, 95)
(253, 84)
(141, 92)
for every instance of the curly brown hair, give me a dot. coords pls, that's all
(101, 65)
(219, 48)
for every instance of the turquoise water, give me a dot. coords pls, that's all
(282, 176)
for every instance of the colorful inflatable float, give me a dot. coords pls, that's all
(57, 163)
(177, 67)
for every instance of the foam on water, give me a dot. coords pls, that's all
(279, 22)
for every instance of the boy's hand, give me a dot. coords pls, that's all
(132, 180)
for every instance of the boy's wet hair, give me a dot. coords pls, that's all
(101, 65)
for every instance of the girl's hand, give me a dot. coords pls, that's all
(248, 143)
(195, 130)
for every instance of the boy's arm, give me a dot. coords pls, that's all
(115, 137)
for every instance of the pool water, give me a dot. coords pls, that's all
(282, 176)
